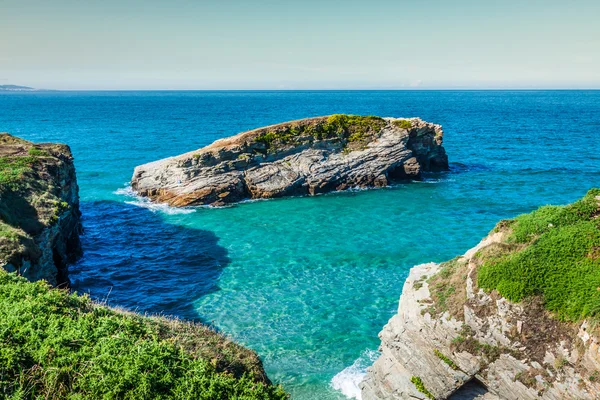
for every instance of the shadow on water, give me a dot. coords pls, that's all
(134, 259)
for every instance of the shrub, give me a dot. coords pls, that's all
(403, 124)
(346, 128)
(557, 263)
(55, 345)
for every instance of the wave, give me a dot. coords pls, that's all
(348, 379)
(144, 202)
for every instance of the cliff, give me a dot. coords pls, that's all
(514, 318)
(304, 157)
(57, 345)
(39, 209)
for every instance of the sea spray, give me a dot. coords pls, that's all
(146, 203)
(348, 379)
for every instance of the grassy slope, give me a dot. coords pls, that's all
(551, 254)
(55, 345)
(557, 257)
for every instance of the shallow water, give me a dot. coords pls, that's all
(306, 282)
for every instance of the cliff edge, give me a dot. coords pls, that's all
(57, 345)
(39, 209)
(304, 157)
(516, 317)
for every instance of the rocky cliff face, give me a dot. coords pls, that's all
(304, 157)
(39, 209)
(450, 337)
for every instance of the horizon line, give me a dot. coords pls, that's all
(34, 90)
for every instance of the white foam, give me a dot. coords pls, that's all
(348, 379)
(143, 202)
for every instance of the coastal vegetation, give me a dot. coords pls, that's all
(445, 359)
(555, 254)
(349, 129)
(12, 169)
(56, 345)
(418, 382)
(403, 123)
(552, 253)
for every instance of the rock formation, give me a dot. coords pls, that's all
(304, 157)
(449, 333)
(39, 209)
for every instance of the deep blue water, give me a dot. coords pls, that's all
(306, 282)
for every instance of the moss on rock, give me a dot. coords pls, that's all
(347, 129)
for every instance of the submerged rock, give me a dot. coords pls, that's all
(304, 157)
(452, 339)
(39, 209)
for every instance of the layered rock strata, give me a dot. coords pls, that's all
(304, 157)
(450, 337)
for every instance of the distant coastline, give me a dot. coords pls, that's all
(17, 88)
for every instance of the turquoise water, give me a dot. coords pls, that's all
(306, 282)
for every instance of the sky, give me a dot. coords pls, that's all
(300, 44)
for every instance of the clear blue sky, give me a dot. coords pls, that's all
(301, 44)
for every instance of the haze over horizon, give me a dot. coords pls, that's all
(383, 44)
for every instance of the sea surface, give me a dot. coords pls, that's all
(306, 282)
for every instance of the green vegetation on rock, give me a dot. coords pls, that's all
(348, 129)
(555, 255)
(35, 152)
(12, 169)
(421, 387)
(55, 345)
(445, 359)
(447, 289)
(403, 124)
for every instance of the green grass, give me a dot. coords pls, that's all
(403, 124)
(54, 345)
(35, 152)
(12, 169)
(346, 128)
(560, 260)
(8, 232)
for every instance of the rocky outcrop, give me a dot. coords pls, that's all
(449, 334)
(39, 209)
(304, 157)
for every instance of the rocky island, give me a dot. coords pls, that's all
(304, 157)
(57, 345)
(516, 317)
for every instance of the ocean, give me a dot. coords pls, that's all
(306, 282)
